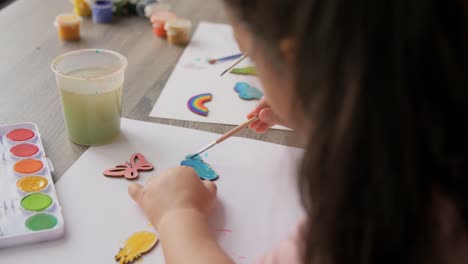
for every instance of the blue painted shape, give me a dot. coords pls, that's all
(203, 170)
(247, 92)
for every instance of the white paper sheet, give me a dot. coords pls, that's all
(258, 204)
(193, 75)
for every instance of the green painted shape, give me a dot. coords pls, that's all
(41, 221)
(36, 202)
(245, 71)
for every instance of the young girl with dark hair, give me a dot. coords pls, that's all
(377, 91)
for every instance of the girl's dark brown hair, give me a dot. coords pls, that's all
(384, 85)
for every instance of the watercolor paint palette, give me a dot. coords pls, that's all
(29, 208)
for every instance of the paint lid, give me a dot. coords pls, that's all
(155, 8)
(162, 17)
(178, 24)
(102, 4)
(67, 19)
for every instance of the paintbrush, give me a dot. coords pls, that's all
(225, 136)
(232, 57)
(234, 64)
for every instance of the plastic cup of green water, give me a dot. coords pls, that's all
(90, 83)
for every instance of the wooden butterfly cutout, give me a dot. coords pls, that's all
(130, 170)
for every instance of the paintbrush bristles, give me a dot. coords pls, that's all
(203, 149)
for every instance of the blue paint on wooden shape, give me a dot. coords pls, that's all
(247, 92)
(203, 170)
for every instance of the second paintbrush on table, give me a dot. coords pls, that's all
(227, 135)
(234, 64)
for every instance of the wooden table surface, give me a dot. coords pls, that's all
(28, 91)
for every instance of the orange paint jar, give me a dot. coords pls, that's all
(159, 20)
(68, 27)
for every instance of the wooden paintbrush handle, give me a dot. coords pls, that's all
(236, 129)
(234, 64)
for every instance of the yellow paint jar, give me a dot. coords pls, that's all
(32, 184)
(81, 8)
(178, 31)
(68, 27)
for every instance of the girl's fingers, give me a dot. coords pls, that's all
(255, 125)
(266, 118)
(263, 128)
(135, 191)
(211, 186)
(257, 109)
(266, 115)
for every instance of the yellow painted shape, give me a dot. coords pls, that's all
(32, 183)
(136, 245)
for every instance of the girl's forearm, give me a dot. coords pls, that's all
(186, 238)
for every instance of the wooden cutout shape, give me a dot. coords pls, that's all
(247, 91)
(130, 170)
(136, 245)
(196, 103)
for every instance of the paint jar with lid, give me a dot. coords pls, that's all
(68, 27)
(81, 8)
(154, 8)
(178, 31)
(141, 5)
(158, 20)
(102, 11)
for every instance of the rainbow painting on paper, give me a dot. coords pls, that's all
(196, 104)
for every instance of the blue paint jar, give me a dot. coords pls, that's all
(102, 11)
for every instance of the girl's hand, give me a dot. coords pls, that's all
(175, 190)
(176, 202)
(267, 118)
